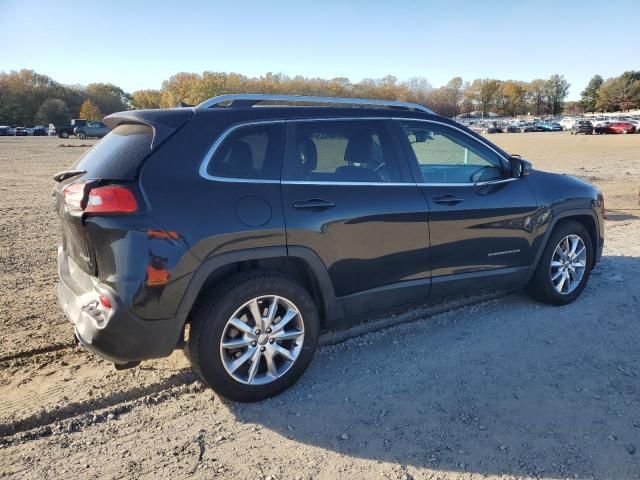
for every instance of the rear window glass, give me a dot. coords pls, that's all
(118, 155)
(253, 152)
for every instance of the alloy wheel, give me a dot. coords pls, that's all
(262, 340)
(568, 264)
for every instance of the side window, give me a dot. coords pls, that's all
(342, 151)
(446, 156)
(253, 152)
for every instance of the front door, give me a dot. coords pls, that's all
(482, 221)
(349, 197)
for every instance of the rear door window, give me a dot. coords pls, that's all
(342, 151)
(119, 154)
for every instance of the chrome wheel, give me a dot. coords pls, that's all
(568, 264)
(262, 340)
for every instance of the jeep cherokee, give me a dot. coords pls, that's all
(241, 228)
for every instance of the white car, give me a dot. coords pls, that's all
(567, 123)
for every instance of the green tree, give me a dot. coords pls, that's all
(557, 89)
(90, 111)
(53, 110)
(485, 92)
(589, 95)
(538, 92)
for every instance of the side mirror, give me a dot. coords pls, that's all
(519, 167)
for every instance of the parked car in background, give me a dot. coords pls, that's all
(511, 129)
(615, 127)
(40, 131)
(582, 126)
(4, 131)
(254, 251)
(492, 129)
(530, 127)
(548, 127)
(92, 129)
(567, 123)
(635, 123)
(65, 131)
(21, 132)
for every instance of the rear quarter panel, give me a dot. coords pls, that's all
(199, 214)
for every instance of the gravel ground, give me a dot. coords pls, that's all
(495, 386)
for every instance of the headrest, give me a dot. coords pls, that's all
(240, 156)
(359, 148)
(308, 154)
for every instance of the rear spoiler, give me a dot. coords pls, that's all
(163, 122)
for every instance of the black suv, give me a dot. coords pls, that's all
(242, 227)
(582, 126)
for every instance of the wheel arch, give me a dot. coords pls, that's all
(585, 217)
(299, 263)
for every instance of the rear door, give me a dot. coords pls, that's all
(482, 221)
(349, 197)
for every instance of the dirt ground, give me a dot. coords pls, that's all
(494, 386)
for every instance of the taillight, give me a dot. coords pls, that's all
(74, 196)
(113, 199)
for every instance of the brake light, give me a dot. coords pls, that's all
(116, 199)
(111, 199)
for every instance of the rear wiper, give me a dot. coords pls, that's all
(58, 177)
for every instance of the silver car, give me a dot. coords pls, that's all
(92, 129)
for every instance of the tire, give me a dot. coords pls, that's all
(82, 135)
(210, 325)
(541, 287)
(64, 134)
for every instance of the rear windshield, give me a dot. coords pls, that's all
(118, 155)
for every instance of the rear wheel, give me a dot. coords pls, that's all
(565, 265)
(64, 134)
(255, 337)
(82, 135)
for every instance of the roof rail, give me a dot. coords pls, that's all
(250, 99)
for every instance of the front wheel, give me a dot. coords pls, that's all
(565, 265)
(255, 337)
(82, 135)
(64, 134)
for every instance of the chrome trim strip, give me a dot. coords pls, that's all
(260, 97)
(476, 184)
(225, 133)
(349, 184)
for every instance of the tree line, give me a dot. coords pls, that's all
(614, 94)
(28, 98)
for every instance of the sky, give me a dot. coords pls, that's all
(138, 44)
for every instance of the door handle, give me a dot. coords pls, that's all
(313, 204)
(448, 200)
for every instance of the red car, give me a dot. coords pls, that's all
(616, 127)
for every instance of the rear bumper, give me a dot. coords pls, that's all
(112, 333)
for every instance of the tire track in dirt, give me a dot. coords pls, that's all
(40, 424)
(26, 354)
